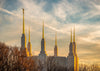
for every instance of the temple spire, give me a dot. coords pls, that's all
(56, 39)
(74, 34)
(29, 34)
(56, 48)
(23, 23)
(71, 36)
(43, 31)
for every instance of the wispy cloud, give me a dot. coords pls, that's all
(2, 3)
(61, 18)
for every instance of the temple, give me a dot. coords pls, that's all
(71, 62)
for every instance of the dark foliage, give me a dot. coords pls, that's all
(11, 60)
(92, 67)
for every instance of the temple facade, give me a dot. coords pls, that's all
(71, 62)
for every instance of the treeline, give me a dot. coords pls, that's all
(92, 67)
(12, 60)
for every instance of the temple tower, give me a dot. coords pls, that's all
(23, 40)
(71, 49)
(43, 43)
(56, 48)
(42, 55)
(75, 52)
(29, 45)
(71, 60)
(74, 43)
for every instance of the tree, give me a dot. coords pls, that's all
(12, 60)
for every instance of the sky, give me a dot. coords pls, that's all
(58, 15)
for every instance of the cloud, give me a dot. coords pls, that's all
(60, 20)
(2, 3)
(63, 9)
(9, 12)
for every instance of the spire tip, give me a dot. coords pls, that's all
(56, 38)
(23, 22)
(74, 34)
(43, 30)
(71, 35)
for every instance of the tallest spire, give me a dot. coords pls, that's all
(43, 31)
(23, 23)
(56, 39)
(74, 34)
(71, 36)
